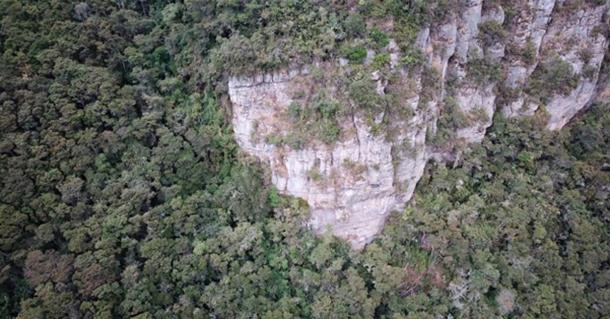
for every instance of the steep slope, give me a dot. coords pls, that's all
(546, 58)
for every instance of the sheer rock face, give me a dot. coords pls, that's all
(363, 177)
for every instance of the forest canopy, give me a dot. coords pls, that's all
(123, 193)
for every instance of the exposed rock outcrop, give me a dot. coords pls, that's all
(352, 184)
(358, 180)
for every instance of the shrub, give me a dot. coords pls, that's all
(484, 70)
(555, 76)
(396, 100)
(314, 174)
(380, 61)
(327, 108)
(478, 114)
(274, 139)
(364, 94)
(329, 131)
(491, 32)
(405, 31)
(453, 114)
(354, 25)
(317, 73)
(295, 141)
(409, 149)
(529, 53)
(356, 168)
(412, 58)
(294, 110)
(355, 54)
(315, 121)
(450, 120)
(431, 84)
(380, 39)
(299, 94)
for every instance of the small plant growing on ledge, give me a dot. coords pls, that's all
(555, 76)
(318, 120)
(529, 53)
(492, 32)
(364, 94)
(380, 61)
(478, 115)
(354, 167)
(412, 58)
(355, 54)
(484, 70)
(295, 111)
(380, 39)
(314, 174)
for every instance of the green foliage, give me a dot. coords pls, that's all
(295, 110)
(554, 76)
(314, 174)
(452, 118)
(355, 25)
(412, 58)
(364, 94)
(381, 61)
(123, 194)
(516, 183)
(478, 114)
(380, 39)
(317, 121)
(355, 54)
(484, 71)
(529, 53)
(492, 32)
(591, 138)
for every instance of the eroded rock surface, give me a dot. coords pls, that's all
(359, 179)
(351, 185)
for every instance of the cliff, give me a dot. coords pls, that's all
(361, 156)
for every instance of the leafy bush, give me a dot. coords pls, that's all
(363, 92)
(296, 141)
(452, 115)
(380, 39)
(591, 135)
(484, 71)
(355, 25)
(295, 111)
(329, 131)
(381, 61)
(554, 76)
(355, 54)
(326, 107)
(451, 118)
(412, 58)
(478, 114)
(492, 32)
(314, 174)
(124, 195)
(529, 54)
(319, 120)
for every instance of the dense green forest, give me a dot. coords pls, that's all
(123, 193)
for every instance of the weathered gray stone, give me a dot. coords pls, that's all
(361, 180)
(352, 201)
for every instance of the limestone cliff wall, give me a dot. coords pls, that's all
(360, 178)
(363, 176)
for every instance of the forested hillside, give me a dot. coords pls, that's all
(123, 193)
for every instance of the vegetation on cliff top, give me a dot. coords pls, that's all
(123, 195)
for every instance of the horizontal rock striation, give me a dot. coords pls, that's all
(351, 185)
